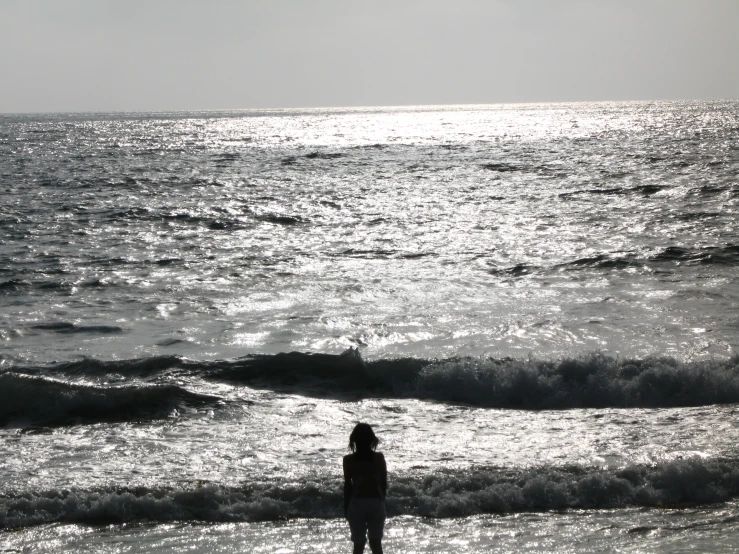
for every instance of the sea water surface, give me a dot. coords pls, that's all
(535, 306)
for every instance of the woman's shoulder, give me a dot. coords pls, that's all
(380, 460)
(353, 457)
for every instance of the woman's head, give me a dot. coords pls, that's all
(363, 439)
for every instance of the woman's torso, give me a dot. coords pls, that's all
(364, 472)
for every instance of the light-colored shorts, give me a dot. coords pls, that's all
(366, 517)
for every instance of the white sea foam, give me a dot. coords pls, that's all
(673, 484)
(594, 380)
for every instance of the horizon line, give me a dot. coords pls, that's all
(360, 107)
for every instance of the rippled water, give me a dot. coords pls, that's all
(544, 297)
(547, 229)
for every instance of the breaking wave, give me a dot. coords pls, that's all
(727, 255)
(39, 401)
(107, 369)
(452, 493)
(593, 381)
(588, 381)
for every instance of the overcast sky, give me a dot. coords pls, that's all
(139, 55)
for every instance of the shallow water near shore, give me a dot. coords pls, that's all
(699, 529)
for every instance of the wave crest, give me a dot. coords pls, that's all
(46, 402)
(451, 493)
(594, 381)
(587, 381)
(591, 381)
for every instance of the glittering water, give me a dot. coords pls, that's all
(544, 298)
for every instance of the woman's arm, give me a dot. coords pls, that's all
(382, 469)
(347, 485)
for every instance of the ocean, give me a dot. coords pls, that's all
(535, 306)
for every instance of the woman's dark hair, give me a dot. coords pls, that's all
(363, 438)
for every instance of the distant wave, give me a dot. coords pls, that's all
(722, 255)
(383, 254)
(38, 401)
(213, 219)
(451, 493)
(713, 255)
(67, 327)
(502, 167)
(645, 190)
(588, 381)
(90, 367)
(12, 286)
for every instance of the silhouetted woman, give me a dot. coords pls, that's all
(365, 485)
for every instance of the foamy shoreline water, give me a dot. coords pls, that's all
(655, 531)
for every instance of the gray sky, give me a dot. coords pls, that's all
(138, 55)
